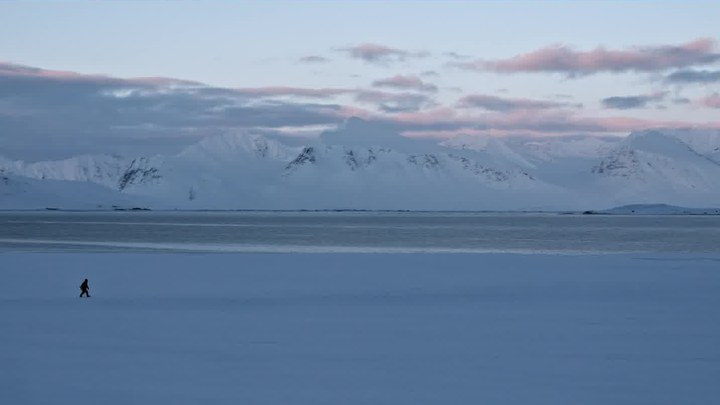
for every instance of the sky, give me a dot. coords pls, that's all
(152, 77)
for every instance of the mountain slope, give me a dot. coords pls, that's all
(246, 171)
(25, 193)
(652, 166)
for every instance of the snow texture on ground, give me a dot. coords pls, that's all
(359, 329)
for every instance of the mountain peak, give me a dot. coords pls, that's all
(238, 145)
(357, 168)
(657, 142)
(359, 132)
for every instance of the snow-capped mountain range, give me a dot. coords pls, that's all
(353, 168)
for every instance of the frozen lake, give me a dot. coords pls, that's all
(596, 310)
(396, 329)
(355, 232)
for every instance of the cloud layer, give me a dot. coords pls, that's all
(568, 61)
(694, 76)
(88, 113)
(712, 101)
(395, 102)
(503, 104)
(46, 113)
(379, 54)
(313, 59)
(630, 102)
(408, 82)
(292, 91)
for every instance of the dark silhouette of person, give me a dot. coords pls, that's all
(85, 289)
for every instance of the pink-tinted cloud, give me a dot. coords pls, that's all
(374, 53)
(437, 115)
(20, 71)
(276, 91)
(353, 111)
(628, 124)
(408, 82)
(566, 60)
(12, 69)
(445, 122)
(33, 100)
(504, 104)
(712, 101)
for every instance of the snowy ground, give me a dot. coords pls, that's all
(359, 329)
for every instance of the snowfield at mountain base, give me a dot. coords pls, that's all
(364, 165)
(637, 329)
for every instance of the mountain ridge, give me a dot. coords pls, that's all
(252, 171)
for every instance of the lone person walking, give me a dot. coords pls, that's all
(85, 289)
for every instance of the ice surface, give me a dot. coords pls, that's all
(359, 329)
(368, 232)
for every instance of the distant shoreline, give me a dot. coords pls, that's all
(635, 209)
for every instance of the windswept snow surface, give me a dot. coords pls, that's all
(360, 329)
(364, 165)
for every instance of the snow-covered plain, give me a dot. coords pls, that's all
(360, 329)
